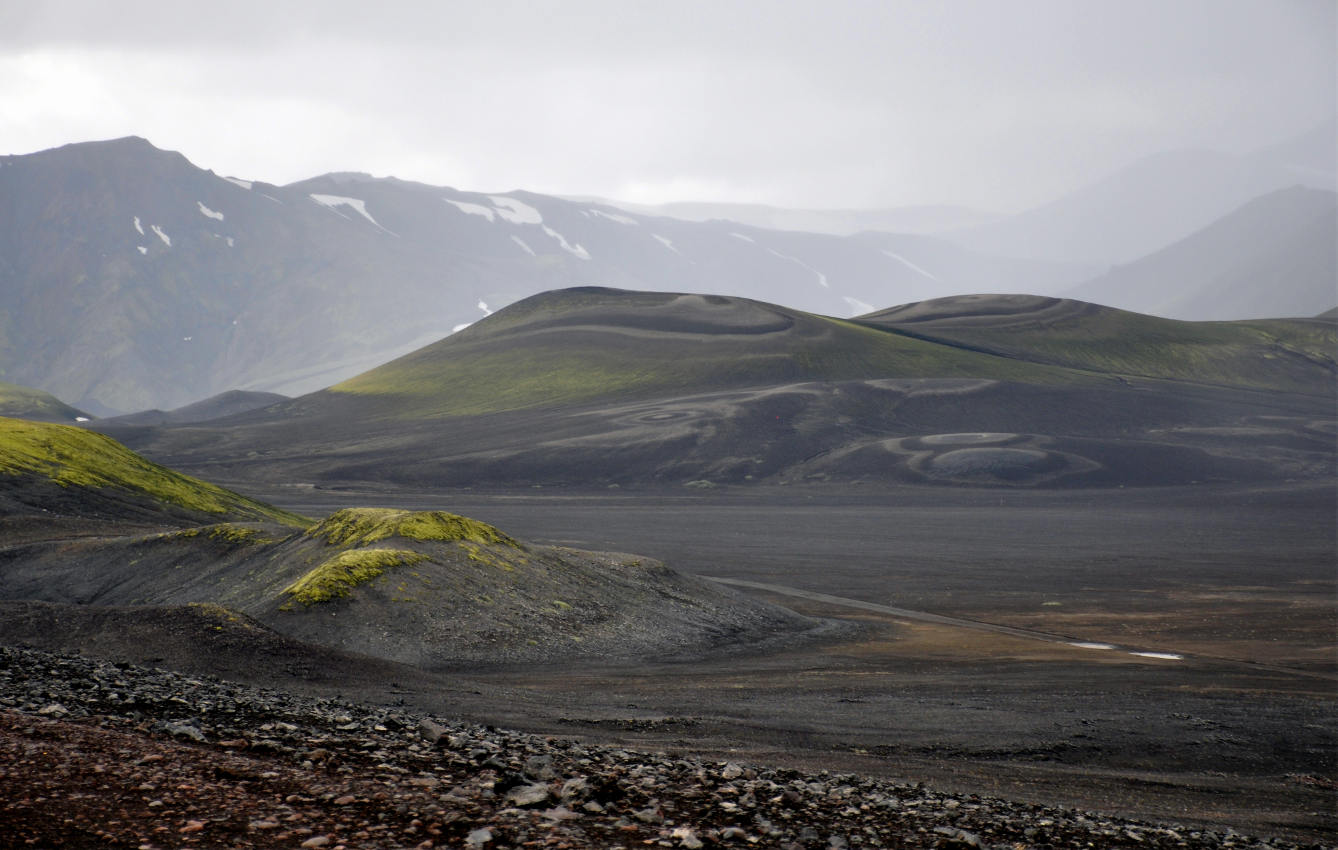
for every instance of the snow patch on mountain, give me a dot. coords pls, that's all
(822, 278)
(514, 211)
(912, 266)
(208, 213)
(471, 209)
(163, 236)
(359, 206)
(231, 242)
(668, 243)
(237, 181)
(142, 249)
(858, 306)
(139, 226)
(575, 250)
(523, 246)
(743, 237)
(621, 219)
(458, 328)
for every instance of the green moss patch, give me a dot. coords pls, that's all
(335, 578)
(358, 526)
(73, 457)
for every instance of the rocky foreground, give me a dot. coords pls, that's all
(112, 755)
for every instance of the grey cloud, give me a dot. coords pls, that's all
(862, 102)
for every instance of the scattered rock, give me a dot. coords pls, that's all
(128, 769)
(527, 796)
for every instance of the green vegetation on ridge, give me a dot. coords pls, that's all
(358, 526)
(73, 457)
(335, 578)
(1271, 354)
(609, 344)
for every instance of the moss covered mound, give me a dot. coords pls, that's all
(359, 526)
(34, 454)
(345, 571)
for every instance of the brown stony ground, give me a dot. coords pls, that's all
(96, 754)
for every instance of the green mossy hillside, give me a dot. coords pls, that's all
(359, 526)
(27, 403)
(627, 345)
(335, 578)
(75, 458)
(1271, 354)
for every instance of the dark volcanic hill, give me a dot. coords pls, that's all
(597, 387)
(215, 407)
(130, 279)
(1275, 256)
(86, 521)
(430, 589)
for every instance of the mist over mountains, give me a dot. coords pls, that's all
(132, 279)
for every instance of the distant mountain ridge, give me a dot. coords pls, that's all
(214, 407)
(925, 219)
(130, 279)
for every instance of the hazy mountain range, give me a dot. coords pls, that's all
(1275, 256)
(130, 279)
(1156, 201)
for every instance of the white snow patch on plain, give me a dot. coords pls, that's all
(621, 219)
(521, 242)
(237, 181)
(744, 238)
(187, 338)
(205, 211)
(360, 207)
(163, 236)
(857, 305)
(459, 328)
(483, 305)
(139, 226)
(1082, 644)
(912, 266)
(1165, 656)
(577, 250)
(514, 211)
(142, 249)
(667, 243)
(822, 278)
(472, 209)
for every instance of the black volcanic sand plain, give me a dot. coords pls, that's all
(1239, 581)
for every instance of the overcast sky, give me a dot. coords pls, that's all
(837, 104)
